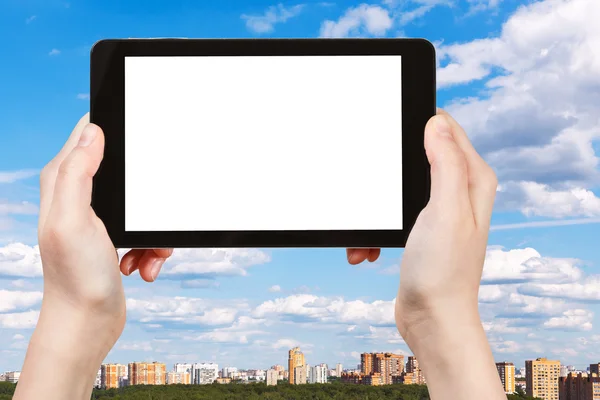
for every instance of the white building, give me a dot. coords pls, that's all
(338, 370)
(318, 374)
(272, 376)
(204, 373)
(229, 372)
(181, 368)
(12, 376)
(98, 381)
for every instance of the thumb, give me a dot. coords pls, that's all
(73, 187)
(449, 175)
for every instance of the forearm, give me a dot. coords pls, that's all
(64, 355)
(444, 347)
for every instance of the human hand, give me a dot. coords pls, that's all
(83, 307)
(437, 302)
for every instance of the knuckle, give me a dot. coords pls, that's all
(57, 233)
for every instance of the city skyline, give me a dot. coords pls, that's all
(516, 76)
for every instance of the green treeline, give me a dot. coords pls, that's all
(259, 391)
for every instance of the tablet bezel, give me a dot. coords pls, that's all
(107, 110)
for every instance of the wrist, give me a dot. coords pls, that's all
(448, 336)
(77, 340)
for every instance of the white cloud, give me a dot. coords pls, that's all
(538, 114)
(14, 176)
(181, 310)
(305, 307)
(243, 328)
(16, 300)
(273, 15)
(54, 52)
(587, 290)
(208, 263)
(83, 96)
(30, 19)
(537, 199)
(523, 265)
(20, 260)
(275, 288)
(18, 336)
(23, 208)
(23, 320)
(572, 320)
(364, 20)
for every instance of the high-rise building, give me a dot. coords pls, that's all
(228, 372)
(111, 374)
(506, 370)
(579, 386)
(338, 370)
(300, 375)
(178, 378)
(541, 378)
(414, 372)
(12, 376)
(144, 373)
(295, 360)
(183, 367)
(272, 377)
(387, 365)
(595, 369)
(204, 373)
(318, 374)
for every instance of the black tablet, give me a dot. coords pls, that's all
(262, 143)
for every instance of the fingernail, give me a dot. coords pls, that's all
(88, 135)
(156, 267)
(351, 255)
(442, 127)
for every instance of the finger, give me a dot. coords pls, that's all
(373, 255)
(73, 186)
(163, 253)
(48, 174)
(482, 178)
(356, 256)
(449, 180)
(150, 265)
(130, 261)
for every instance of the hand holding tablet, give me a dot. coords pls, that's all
(264, 143)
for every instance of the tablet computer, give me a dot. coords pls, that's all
(262, 142)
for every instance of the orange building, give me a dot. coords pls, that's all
(352, 377)
(506, 371)
(110, 374)
(387, 365)
(179, 378)
(541, 378)
(295, 360)
(143, 373)
(579, 386)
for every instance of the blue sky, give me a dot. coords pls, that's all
(521, 76)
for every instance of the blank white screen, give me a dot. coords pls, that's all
(263, 143)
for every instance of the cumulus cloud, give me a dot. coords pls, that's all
(22, 320)
(364, 20)
(20, 260)
(587, 290)
(275, 288)
(23, 208)
(537, 118)
(537, 199)
(210, 263)
(18, 300)
(579, 320)
(266, 22)
(306, 307)
(181, 310)
(524, 265)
